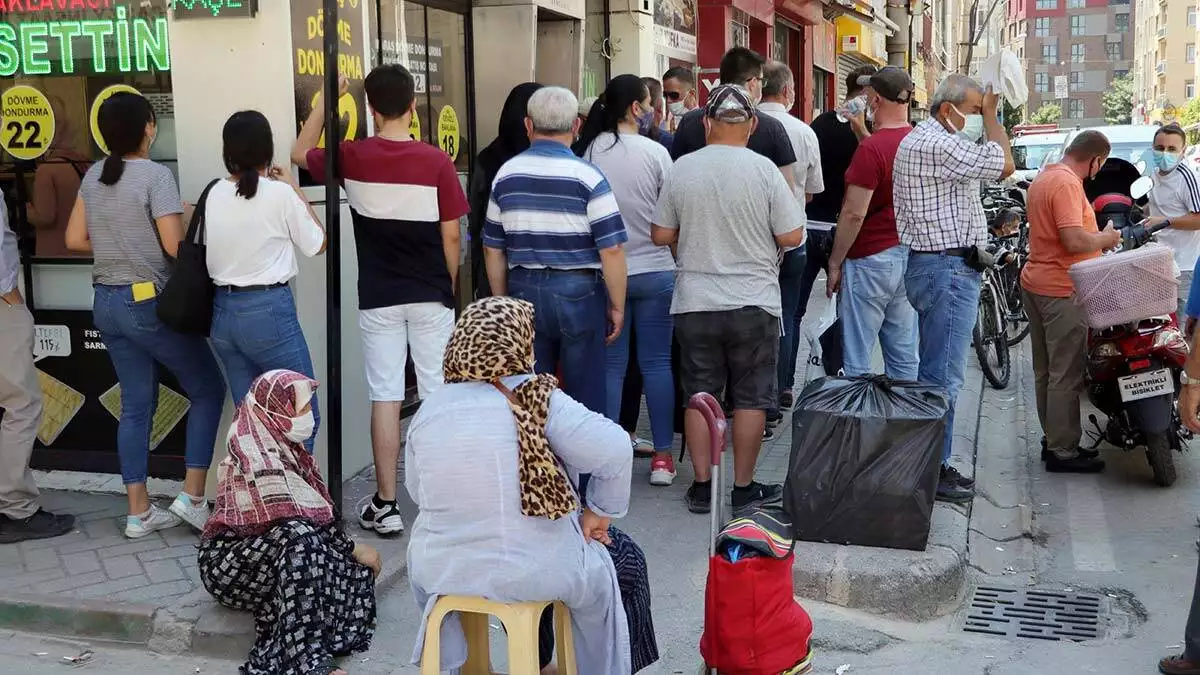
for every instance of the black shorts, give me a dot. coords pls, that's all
(739, 347)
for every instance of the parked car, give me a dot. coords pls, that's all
(1030, 152)
(1130, 142)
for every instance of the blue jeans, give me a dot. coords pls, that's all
(257, 331)
(873, 305)
(137, 342)
(570, 325)
(816, 259)
(945, 293)
(648, 310)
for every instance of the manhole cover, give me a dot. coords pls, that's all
(1039, 614)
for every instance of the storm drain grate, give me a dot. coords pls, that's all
(1038, 614)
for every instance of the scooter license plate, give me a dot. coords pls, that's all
(1145, 385)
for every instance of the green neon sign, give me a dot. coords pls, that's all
(121, 44)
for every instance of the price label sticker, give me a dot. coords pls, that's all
(414, 127)
(94, 115)
(51, 340)
(448, 138)
(28, 122)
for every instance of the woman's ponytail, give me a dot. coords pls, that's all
(113, 167)
(247, 184)
(248, 150)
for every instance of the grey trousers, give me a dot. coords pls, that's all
(1185, 285)
(1058, 333)
(21, 398)
(1191, 634)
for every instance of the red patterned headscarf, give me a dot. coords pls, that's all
(268, 478)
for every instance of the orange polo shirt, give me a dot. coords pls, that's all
(1056, 201)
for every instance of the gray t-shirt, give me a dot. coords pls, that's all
(120, 222)
(728, 204)
(636, 168)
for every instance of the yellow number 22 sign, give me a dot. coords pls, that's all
(27, 122)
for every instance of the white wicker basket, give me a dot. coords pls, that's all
(1126, 287)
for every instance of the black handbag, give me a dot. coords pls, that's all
(185, 304)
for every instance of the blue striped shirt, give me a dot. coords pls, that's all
(551, 210)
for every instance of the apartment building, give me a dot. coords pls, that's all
(1071, 50)
(1164, 75)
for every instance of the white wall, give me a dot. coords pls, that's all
(220, 67)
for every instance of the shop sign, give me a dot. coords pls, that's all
(849, 43)
(28, 122)
(213, 9)
(426, 68)
(67, 37)
(674, 44)
(448, 139)
(81, 396)
(414, 126)
(675, 29)
(308, 49)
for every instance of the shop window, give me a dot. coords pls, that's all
(820, 91)
(596, 50)
(40, 166)
(432, 44)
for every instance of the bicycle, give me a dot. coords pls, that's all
(991, 336)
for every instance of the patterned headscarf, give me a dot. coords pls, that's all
(268, 477)
(494, 339)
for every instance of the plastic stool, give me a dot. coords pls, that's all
(521, 621)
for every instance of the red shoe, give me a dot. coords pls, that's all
(662, 471)
(1179, 665)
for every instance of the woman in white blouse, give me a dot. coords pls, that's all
(256, 220)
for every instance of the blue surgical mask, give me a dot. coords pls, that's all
(1165, 161)
(645, 121)
(972, 125)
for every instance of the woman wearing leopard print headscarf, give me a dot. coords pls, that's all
(492, 460)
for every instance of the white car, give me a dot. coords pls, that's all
(1031, 152)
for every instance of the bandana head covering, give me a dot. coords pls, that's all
(267, 477)
(494, 339)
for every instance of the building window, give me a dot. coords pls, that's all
(1078, 27)
(1041, 82)
(739, 29)
(1078, 52)
(1047, 4)
(1115, 50)
(1076, 4)
(1190, 53)
(1122, 23)
(1076, 79)
(1050, 53)
(1119, 74)
(1075, 109)
(1191, 17)
(1189, 89)
(1041, 27)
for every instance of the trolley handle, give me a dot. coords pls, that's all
(714, 417)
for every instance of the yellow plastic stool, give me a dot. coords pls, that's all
(521, 621)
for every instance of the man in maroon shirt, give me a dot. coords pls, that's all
(868, 262)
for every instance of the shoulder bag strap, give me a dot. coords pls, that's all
(195, 231)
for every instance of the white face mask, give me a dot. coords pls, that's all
(677, 108)
(302, 427)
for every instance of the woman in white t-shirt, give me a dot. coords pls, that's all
(256, 221)
(636, 168)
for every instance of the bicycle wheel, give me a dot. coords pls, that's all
(1016, 324)
(991, 341)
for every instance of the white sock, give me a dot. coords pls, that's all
(193, 501)
(143, 516)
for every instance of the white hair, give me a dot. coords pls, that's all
(954, 90)
(553, 110)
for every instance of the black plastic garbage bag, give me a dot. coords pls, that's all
(864, 462)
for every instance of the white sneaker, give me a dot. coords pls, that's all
(136, 528)
(385, 522)
(642, 447)
(190, 512)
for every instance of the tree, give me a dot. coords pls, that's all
(1049, 113)
(1012, 116)
(1118, 100)
(1189, 116)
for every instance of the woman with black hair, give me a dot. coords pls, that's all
(257, 219)
(128, 216)
(636, 168)
(511, 140)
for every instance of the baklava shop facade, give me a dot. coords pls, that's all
(198, 61)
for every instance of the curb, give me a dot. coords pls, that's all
(908, 585)
(95, 619)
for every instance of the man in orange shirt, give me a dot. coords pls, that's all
(1062, 232)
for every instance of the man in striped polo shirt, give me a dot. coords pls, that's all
(553, 236)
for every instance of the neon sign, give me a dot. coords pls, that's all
(213, 9)
(89, 44)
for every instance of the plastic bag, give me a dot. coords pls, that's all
(825, 344)
(1003, 71)
(864, 462)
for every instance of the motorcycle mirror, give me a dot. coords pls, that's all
(1141, 167)
(1141, 187)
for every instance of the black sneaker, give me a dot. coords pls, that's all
(774, 417)
(41, 525)
(768, 432)
(381, 517)
(699, 497)
(952, 475)
(786, 400)
(1080, 463)
(756, 494)
(953, 493)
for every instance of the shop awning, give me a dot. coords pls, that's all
(863, 13)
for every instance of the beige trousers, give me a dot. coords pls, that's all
(1058, 332)
(21, 398)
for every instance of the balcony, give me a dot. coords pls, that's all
(1162, 33)
(1161, 68)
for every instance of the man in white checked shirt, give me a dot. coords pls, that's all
(939, 216)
